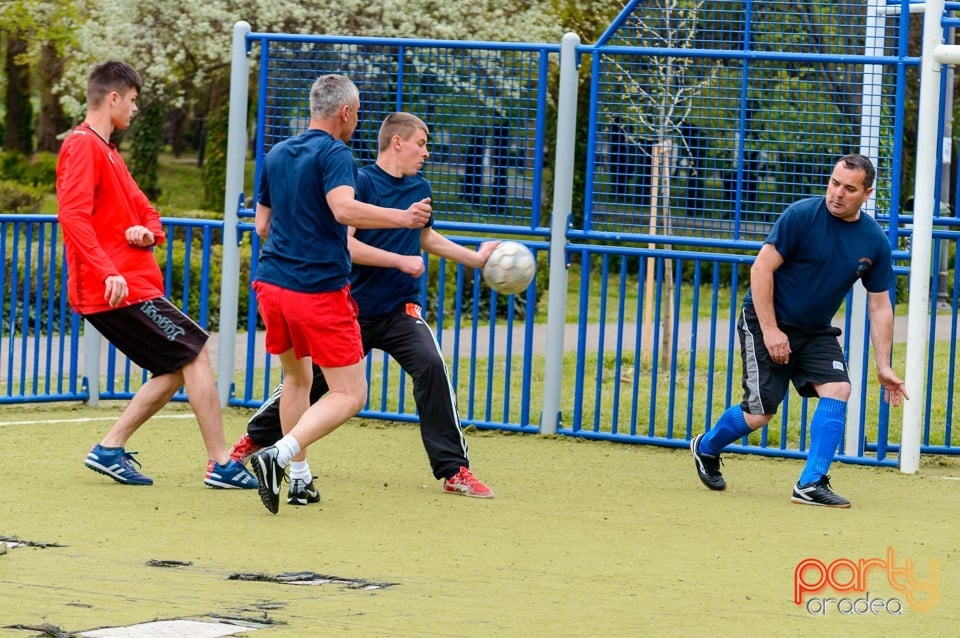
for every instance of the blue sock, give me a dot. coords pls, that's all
(730, 426)
(826, 432)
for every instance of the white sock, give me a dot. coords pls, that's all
(287, 448)
(300, 470)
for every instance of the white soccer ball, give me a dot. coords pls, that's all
(510, 268)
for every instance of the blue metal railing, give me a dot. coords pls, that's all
(39, 344)
(624, 379)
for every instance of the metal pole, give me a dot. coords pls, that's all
(946, 162)
(920, 244)
(236, 154)
(91, 362)
(559, 219)
(871, 103)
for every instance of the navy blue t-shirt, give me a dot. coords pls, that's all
(379, 291)
(822, 258)
(306, 247)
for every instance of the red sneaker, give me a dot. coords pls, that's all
(243, 448)
(464, 482)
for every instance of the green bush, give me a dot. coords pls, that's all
(39, 170)
(20, 198)
(30, 276)
(146, 146)
(10, 164)
(177, 240)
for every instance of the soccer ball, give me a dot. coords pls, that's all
(510, 268)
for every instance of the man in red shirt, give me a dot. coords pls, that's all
(109, 230)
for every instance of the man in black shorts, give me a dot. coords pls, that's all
(109, 230)
(816, 251)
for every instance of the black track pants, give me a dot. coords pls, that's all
(410, 341)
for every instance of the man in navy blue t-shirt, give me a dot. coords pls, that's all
(305, 202)
(816, 251)
(385, 281)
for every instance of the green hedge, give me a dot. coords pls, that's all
(39, 170)
(27, 181)
(20, 198)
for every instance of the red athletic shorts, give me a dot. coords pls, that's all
(321, 325)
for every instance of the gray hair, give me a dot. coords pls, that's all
(329, 93)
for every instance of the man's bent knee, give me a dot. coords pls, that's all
(839, 390)
(357, 395)
(757, 421)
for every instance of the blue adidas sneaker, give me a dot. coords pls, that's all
(116, 463)
(232, 476)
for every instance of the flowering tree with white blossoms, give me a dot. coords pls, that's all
(182, 50)
(178, 46)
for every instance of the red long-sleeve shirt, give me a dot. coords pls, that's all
(97, 201)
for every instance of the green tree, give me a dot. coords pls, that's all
(589, 20)
(183, 49)
(146, 145)
(18, 134)
(52, 120)
(39, 31)
(215, 163)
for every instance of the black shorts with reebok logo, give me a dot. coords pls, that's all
(815, 358)
(154, 334)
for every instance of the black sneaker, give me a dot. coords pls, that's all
(818, 493)
(269, 476)
(708, 467)
(302, 492)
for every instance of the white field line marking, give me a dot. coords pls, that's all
(92, 419)
(950, 478)
(171, 629)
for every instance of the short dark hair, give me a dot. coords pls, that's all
(402, 124)
(113, 75)
(857, 162)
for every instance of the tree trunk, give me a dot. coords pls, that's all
(651, 265)
(659, 217)
(52, 121)
(176, 130)
(19, 134)
(214, 144)
(666, 161)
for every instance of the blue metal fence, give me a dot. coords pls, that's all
(43, 352)
(485, 103)
(707, 123)
(703, 127)
(700, 128)
(39, 343)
